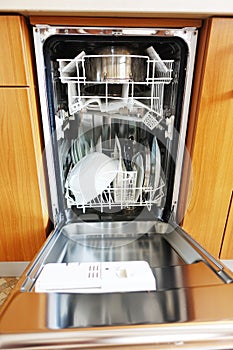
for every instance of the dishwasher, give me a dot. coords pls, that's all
(117, 270)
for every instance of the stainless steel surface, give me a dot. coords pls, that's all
(105, 241)
(209, 336)
(183, 248)
(185, 298)
(159, 244)
(197, 320)
(116, 64)
(225, 273)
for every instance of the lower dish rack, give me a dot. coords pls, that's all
(124, 196)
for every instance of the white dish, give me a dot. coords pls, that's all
(75, 151)
(137, 161)
(98, 146)
(158, 165)
(155, 168)
(91, 176)
(73, 157)
(119, 183)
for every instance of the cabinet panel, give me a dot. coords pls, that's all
(13, 67)
(22, 227)
(109, 21)
(212, 158)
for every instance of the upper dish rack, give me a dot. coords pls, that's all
(120, 94)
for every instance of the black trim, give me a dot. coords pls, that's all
(68, 46)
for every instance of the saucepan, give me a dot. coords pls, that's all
(115, 63)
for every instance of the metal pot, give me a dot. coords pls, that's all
(114, 63)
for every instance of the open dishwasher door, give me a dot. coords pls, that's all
(173, 304)
(117, 270)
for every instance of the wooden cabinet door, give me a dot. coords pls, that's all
(13, 55)
(22, 226)
(212, 158)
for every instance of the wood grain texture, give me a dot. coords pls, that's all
(22, 227)
(212, 159)
(13, 67)
(22, 189)
(109, 21)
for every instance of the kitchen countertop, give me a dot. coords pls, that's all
(168, 8)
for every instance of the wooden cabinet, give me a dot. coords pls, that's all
(212, 153)
(22, 227)
(22, 218)
(13, 52)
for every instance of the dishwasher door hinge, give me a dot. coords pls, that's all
(225, 277)
(59, 218)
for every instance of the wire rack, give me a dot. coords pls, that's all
(125, 98)
(120, 97)
(126, 195)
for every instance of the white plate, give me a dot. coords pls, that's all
(137, 161)
(155, 165)
(91, 176)
(73, 157)
(118, 183)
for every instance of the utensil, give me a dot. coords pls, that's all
(145, 151)
(128, 153)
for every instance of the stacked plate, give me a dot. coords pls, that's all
(91, 176)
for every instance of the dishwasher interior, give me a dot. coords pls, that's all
(115, 110)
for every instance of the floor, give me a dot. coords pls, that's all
(6, 286)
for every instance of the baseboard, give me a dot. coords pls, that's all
(12, 268)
